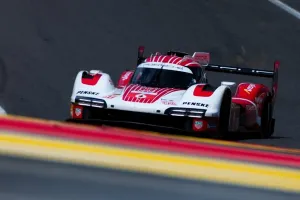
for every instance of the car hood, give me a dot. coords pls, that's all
(142, 94)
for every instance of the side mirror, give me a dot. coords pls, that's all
(228, 83)
(125, 78)
(95, 71)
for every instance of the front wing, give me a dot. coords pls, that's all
(184, 119)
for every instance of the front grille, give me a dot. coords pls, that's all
(92, 102)
(186, 112)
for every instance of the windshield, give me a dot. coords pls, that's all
(162, 78)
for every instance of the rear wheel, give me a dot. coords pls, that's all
(267, 122)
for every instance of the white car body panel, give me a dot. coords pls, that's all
(113, 96)
(105, 90)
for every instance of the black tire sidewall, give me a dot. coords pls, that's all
(266, 129)
(223, 124)
(87, 114)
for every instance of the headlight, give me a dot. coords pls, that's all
(85, 101)
(186, 112)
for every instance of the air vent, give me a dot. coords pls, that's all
(186, 112)
(85, 101)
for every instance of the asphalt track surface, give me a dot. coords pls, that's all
(293, 3)
(49, 180)
(43, 44)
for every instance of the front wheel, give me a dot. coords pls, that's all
(223, 125)
(87, 113)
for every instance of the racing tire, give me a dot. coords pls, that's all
(87, 113)
(90, 117)
(223, 125)
(267, 122)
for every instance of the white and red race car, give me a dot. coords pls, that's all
(171, 90)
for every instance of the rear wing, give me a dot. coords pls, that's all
(204, 59)
(272, 74)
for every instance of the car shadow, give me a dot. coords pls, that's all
(241, 136)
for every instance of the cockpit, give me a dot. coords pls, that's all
(163, 76)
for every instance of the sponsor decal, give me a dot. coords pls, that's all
(126, 76)
(87, 92)
(198, 124)
(145, 90)
(168, 102)
(224, 67)
(141, 96)
(211, 126)
(152, 64)
(249, 88)
(111, 96)
(173, 67)
(78, 111)
(166, 66)
(195, 104)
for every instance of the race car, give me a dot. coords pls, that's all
(171, 90)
